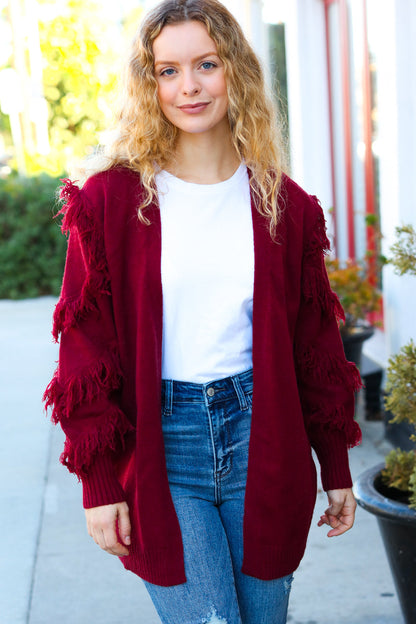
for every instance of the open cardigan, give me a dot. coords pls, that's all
(106, 391)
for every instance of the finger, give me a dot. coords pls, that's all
(323, 520)
(124, 526)
(340, 525)
(106, 538)
(108, 544)
(98, 538)
(111, 539)
(112, 545)
(338, 531)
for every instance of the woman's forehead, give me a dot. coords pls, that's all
(184, 40)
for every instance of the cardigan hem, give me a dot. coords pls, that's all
(157, 566)
(273, 566)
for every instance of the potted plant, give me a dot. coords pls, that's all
(355, 283)
(359, 297)
(389, 490)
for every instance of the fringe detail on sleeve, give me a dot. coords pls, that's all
(315, 289)
(319, 242)
(77, 214)
(108, 435)
(327, 368)
(99, 379)
(102, 377)
(68, 312)
(315, 284)
(335, 418)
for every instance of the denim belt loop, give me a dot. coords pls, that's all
(168, 402)
(240, 393)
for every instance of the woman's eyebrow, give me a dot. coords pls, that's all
(194, 60)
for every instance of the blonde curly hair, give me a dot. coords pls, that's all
(145, 140)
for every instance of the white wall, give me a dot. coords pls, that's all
(249, 14)
(396, 54)
(308, 97)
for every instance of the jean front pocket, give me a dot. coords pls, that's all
(249, 397)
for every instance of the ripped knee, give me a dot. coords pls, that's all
(214, 618)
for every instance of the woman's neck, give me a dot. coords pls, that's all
(204, 158)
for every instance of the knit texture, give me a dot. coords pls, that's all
(106, 390)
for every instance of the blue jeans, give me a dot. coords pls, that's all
(206, 430)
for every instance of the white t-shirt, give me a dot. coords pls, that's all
(207, 277)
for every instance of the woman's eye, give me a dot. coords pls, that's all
(169, 71)
(208, 65)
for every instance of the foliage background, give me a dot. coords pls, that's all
(32, 248)
(82, 44)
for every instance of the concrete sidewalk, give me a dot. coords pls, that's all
(51, 571)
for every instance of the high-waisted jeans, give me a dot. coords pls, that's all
(206, 430)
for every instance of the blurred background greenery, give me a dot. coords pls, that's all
(59, 68)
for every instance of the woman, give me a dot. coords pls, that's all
(200, 357)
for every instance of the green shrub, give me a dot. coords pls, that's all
(32, 248)
(400, 470)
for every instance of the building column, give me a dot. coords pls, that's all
(308, 98)
(396, 87)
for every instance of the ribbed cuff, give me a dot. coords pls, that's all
(331, 448)
(101, 486)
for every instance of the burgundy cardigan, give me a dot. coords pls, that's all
(106, 391)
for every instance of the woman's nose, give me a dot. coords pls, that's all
(190, 86)
(191, 90)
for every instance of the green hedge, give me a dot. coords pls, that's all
(32, 248)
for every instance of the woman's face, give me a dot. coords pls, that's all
(192, 90)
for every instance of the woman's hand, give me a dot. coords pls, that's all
(102, 524)
(340, 513)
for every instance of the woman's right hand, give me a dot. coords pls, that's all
(102, 524)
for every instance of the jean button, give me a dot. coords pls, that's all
(210, 392)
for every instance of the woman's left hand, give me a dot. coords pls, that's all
(340, 513)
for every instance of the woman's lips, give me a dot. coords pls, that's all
(194, 108)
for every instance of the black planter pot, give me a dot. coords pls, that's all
(353, 340)
(399, 434)
(397, 523)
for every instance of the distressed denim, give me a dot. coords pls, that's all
(206, 430)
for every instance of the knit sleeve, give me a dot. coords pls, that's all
(83, 393)
(327, 381)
